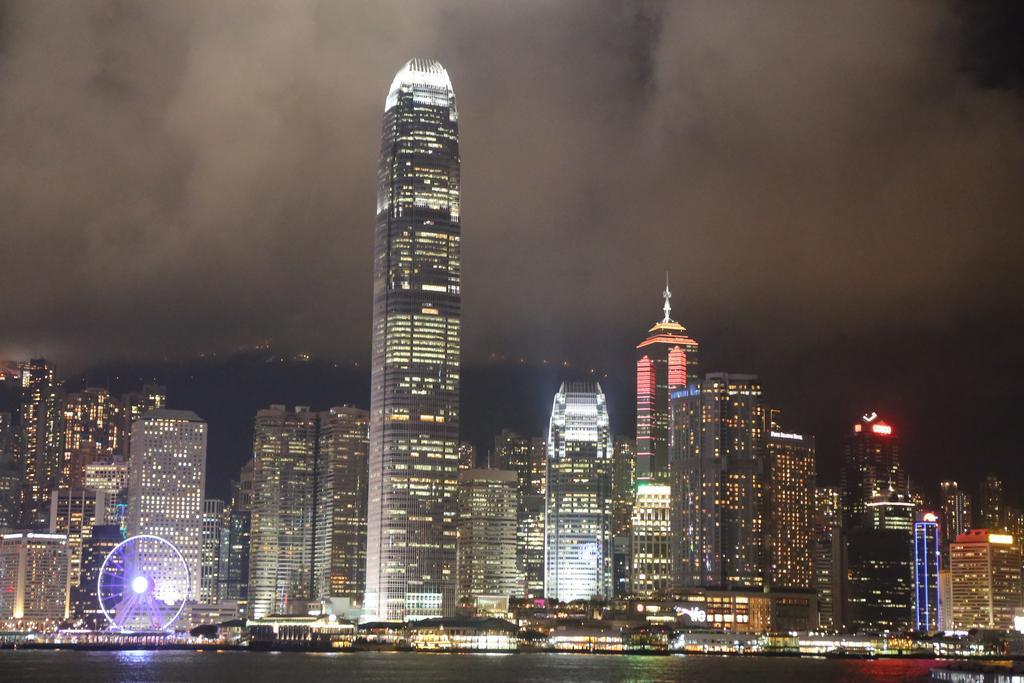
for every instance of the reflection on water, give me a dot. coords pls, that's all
(372, 667)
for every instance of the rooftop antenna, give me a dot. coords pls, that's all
(667, 294)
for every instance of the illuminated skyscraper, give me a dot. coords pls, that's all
(40, 448)
(526, 456)
(488, 500)
(414, 392)
(109, 477)
(927, 561)
(790, 509)
(578, 538)
(986, 584)
(91, 429)
(34, 577)
(623, 484)
(10, 494)
(340, 536)
(871, 468)
(665, 362)
(281, 545)
(991, 503)
(73, 514)
(134, 405)
(650, 540)
(213, 524)
(718, 468)
(957, 515)
(95, 548)
(166, 481)
(827, 556)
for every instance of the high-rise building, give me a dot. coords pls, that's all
(281, 541)
(134, 405)
(90, 429)
(790, 509)
(623, 484)
(526, 457)
(827, 556)
(109, 477)
(467, 456)
(10, 494)
(84, 602)
(234, 565)
(957, 517)
(991, 504)
(414, 387)
(340, 535)
(166, 481)
(871, 467)
(718, 466)
(650, 540)
(73, 514)
(985, 576)
(213, 523)
(665, 362)
(39, 450)
(33, 577)
(927, 564)
(578, 538)
(487, 520)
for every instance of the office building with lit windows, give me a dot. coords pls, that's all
(213, 524)
(790, 509)
(109, 477)
(39, 449)
(73, 514)
(416, 342)
(927, 564)
(166, 481)
(957, 511)
(665, 362)
(488, 503)
(871, 467)
(84, 602)
(526, 457)
(578, 533)
(985, 580)
(718, 466)
(827, 554)
(651, 540)
(33, 577)
(281, 532)
(339, 558)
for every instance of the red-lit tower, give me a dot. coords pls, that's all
(871, 468)
(665, 362)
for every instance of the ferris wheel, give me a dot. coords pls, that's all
(143, 584)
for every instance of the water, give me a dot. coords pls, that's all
(62, 665)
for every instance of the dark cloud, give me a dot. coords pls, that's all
(192, 175)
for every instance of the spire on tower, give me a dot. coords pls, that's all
(667, 294)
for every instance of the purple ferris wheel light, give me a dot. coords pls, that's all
(143, 584)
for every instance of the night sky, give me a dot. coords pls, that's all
(837, 190)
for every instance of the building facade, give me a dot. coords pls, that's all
(33, 577)
(790, 509)
(416, 342)
(73, 514)
(487, 521)
(718, 465)
(166, 482)
(526, 457)
(213, 525)
(927, 565)
(650, 566)
(985, 578)
(957, 511)
(578, 538)
(281, 540)
(39, 447)
(341, 490)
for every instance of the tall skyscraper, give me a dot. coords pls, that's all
(10, 494)
(234, 565)
(623, 484)
(134, 405)
(991, 504)
(957, 513)
(109, 477)
(986, 583)
(281, 541)
(526, 456)
(650, 540)
(414, 392)
(578, 538)
(488, 501)
(827, 556)
(73, 514)
(665, 362)
(871, 467)
(213, 523)
(91, 429)
(340, 535)
(166, 481)
(84, 602)
(718, 466)
(927, 562)
(790, 508)
(39, 449)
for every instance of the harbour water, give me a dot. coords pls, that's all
(371, 667)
